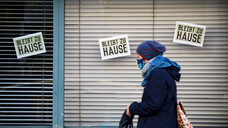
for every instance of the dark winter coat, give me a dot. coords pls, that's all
(158, 106)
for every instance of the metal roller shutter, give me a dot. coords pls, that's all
(97, 92)
(72, 64)
(25, 84)
(204, 83)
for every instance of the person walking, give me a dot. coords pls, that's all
(158, 106)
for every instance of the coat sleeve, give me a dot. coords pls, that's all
(157, 89)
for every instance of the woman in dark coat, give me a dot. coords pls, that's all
(158, 106)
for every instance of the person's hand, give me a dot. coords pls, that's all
(127, 111)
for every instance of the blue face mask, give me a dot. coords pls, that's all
(140, 63)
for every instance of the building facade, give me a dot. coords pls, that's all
(71, 86)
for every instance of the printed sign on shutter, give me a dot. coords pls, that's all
(29, 45)
(114, 47)
(190, 34)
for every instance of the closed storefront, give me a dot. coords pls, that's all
(71, 86)
(97, 91)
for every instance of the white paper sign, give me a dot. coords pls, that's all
(190, 34)
(29, 45)
(114, 47)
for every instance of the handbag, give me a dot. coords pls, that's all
(182, 119)
(126, 121)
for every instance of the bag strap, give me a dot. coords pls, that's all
(182, 107)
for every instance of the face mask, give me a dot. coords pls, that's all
(140, 63)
